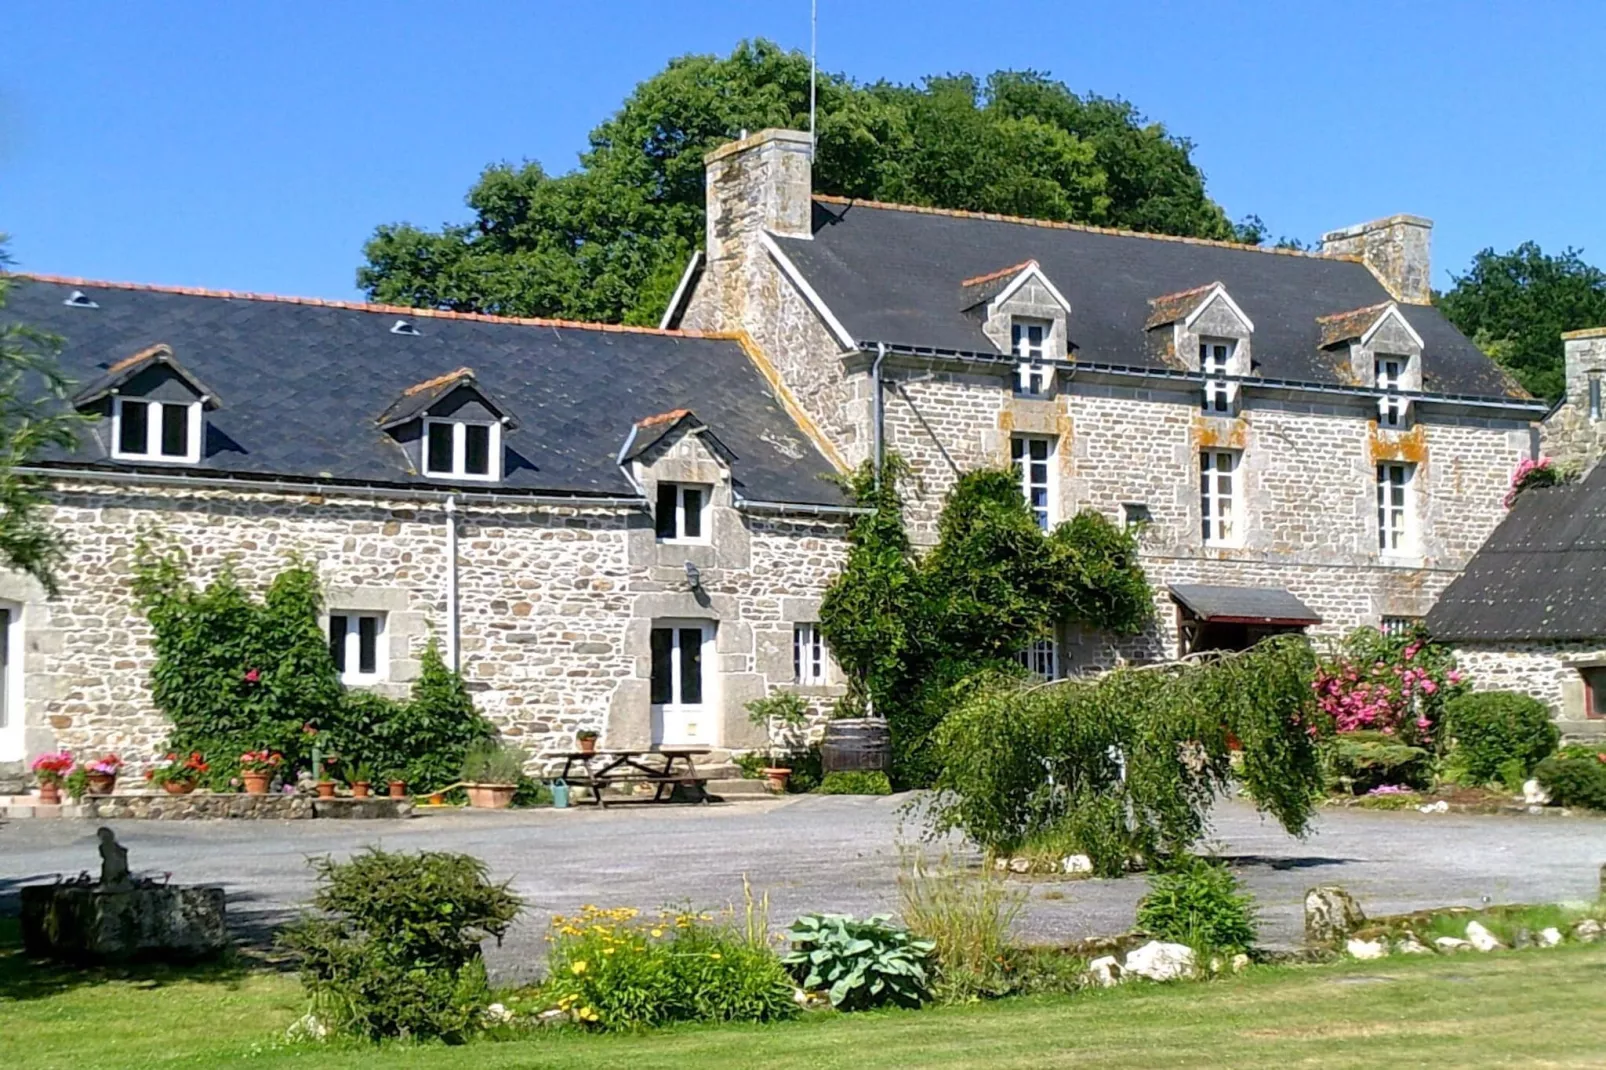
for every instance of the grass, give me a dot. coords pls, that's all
(1522, 1007)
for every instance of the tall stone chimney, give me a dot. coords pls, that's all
(1397, 249)
(1575, 431)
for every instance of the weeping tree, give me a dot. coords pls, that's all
(1128, 764)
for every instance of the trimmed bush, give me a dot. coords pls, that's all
(1201, 904)
(1575, 776)
(1357, 762)
(1493, 727)
(395, 948)
(841, 783)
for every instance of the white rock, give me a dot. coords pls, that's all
(1105, 971)
(1020, 865)
(1159, 961)
(1411, 946)
(1450, 943)
(1482, 938)
(1367, 949)
(307, 1027)
(1533, 793)
(1587, 930)
(1440, 807)
(1548, 937)
(496, 1012)
(1078, 864)
(1240, 962)
(1000, 863)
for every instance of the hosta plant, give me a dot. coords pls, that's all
(859, 964)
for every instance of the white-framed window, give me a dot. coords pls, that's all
(1033, 457)
(1218, 507)
(808, 654)
(1215, 362)
(1393, 507)
(462, 449)
(1029, 338)
(1594, 397)
(357, 643)
(682, 513)
(680, 692)
(1391, 408)
(168, 431)
(1394, 627)
(1040, 657)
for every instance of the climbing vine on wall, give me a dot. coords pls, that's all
(910, 630)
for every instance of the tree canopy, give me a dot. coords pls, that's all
(607, 241)
(1516, 305)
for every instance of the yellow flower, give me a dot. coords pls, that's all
(608, 950)
(714, 955)
(578, 967)
(658, 932)
(587, 1014)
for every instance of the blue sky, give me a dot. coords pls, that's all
(254, 146)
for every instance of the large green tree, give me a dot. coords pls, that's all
(33, 420)
(607, 241)
(1516, 305)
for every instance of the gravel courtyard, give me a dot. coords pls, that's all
(827, 853)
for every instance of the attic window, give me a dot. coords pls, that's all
(1391, 407)
(682, 513)
(463, 449)
(1028, 338)
(1215, 360)
(165, 431)
(405, 327)
(79, 299)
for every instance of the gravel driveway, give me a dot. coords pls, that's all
(837, 853)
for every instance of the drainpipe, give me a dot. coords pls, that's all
(877, 411)
(451, 582)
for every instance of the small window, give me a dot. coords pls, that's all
(681, 513)
(456, 449)
(1135, 515)
(1215, 359)
(1396, 627)
(356, 643)
(1594, 397)
(1029, 338)
(1218, 514)
(1033, 457)
(1391, 407)
(1041, 659)
(808, 654)
(1393, 512)
(1594, 692)
(156, 430)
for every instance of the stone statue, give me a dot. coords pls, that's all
(113, 861)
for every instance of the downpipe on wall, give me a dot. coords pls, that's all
(877, 413)
(450, 510)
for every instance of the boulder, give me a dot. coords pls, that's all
(1020, 865)
(1240, 962)
(1533, 793)
(1367, 949)
(1482, 938)
(1160, 961)
(1079, 865)
(1451, 943)
(1548, 937)
(14, 778)
(1331, 914)
(1105, 971)
(1411, 946)
(1587, 930)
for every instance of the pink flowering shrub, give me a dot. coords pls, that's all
(1531, 473)
(1396, 685)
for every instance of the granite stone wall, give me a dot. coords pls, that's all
(1549, 671)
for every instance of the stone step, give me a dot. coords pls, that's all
(739, 787)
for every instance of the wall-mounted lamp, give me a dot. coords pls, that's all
(694, 578)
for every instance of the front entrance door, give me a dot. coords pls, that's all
(682, 703)
(11, 743)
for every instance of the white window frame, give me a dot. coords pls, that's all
(1020, 456)
(352, 674)
(704, 515)
(1393, 411)
(1041, 658)
(153, 432)
(700, 717)
(1394, 627)
(1594, 395)
(1396, 530)
(493, 472)
(1215, 364)
(810, 657)
(1033, 377)
(1220, 515)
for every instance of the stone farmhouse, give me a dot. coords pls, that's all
(630, 529)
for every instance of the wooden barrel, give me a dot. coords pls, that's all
(856, 745)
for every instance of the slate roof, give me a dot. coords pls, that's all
(1242, 605)
(889, 275)
(1539, 575)
(305, 381)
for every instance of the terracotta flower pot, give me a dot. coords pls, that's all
(102, 783)
(178, 787)
(49, 794)
(490, 796)
(256, 783)
(588, 746)
(777, 778)
(359, 790)
(398, 789)
(326, 789)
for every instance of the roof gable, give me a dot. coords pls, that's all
(133, 369)
(442, 396)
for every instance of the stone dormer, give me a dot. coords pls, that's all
(1377, 347)
(1204, 330)
(1011, 301)
(1396, 249)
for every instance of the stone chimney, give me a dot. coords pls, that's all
(1396, 249)
(1575, 431)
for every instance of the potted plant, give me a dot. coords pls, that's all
(257, 768)
(178, 776)
(101, 775)
(587, 738)
(491, 774)
(361, 779)
(397, 784)
(50, 770)
(787, 710)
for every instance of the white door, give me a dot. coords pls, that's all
(11, 742)
(682, 698)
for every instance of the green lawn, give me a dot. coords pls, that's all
(1516, 1008)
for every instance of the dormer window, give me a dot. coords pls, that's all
(1028, 339)
(461, 449)
(682, 513)
(1215, 362)
(1391, 407)
(163, 431)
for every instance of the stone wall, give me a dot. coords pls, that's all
(1546, 670)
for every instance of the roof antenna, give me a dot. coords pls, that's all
(814, 37)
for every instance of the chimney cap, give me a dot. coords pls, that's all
(1357, 229)
(753, 141)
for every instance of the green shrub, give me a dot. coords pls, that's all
(806, 769)
(752, 764)
(855, 783)
(487, 761)
(1492, 727)
(395, 947)
(1357, 762)
(1575, 776)
(859, 964)
(615, 970)
(1200, 903)
(968, 920)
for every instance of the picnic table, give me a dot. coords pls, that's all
(666, 768)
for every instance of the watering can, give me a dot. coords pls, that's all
(560, 794)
